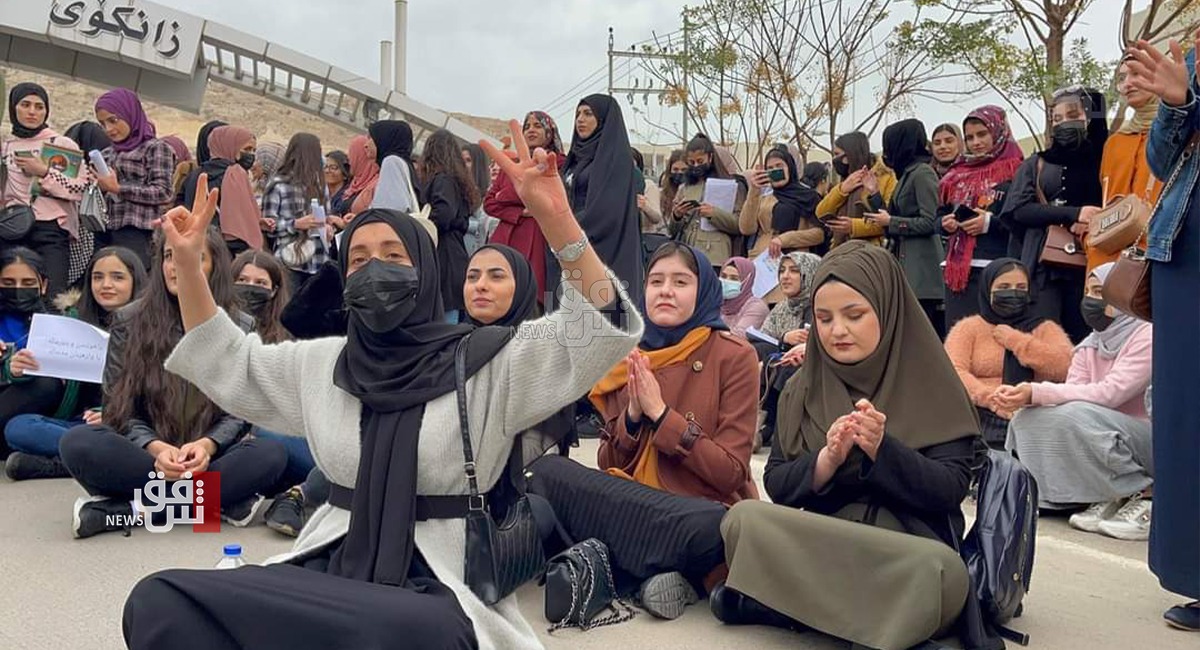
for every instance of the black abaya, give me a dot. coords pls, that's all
(600, 177)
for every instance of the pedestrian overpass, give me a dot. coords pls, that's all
(168, 56)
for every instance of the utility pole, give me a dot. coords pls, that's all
(648, 91)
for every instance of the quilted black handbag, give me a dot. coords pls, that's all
(500, 556)
(579, 586)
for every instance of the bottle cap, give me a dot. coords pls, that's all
(233, 549)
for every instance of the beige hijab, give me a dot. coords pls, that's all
(909, 378)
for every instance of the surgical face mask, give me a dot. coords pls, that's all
(697, 173)
(731, 289)
(382, 295)
(1094, 314)
(1010, 302)
(246, 161)
(20, 301)
(1070, 135)
(254, 297)
(679, 178)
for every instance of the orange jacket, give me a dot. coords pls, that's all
(1125, 168)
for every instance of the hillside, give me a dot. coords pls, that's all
(72, 101)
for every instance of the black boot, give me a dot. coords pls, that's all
(22, 467)
(735, 608)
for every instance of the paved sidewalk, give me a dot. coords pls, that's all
(1089, 592)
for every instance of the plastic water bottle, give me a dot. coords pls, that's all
(98, 162)
(232, 557)
(317, 210)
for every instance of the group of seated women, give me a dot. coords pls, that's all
(862, 465)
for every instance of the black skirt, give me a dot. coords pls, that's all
(288, 606)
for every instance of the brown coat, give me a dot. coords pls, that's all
(715, 391)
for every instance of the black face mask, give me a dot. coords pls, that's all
(1070, 135)
(1093, 314)
(246, 161)
(1010, 302)
(697, 173)
(254, 297)
(382, 295)
(842, 168)
(679, 178)
(20, 301)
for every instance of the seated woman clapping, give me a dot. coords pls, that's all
(680, 415)
(1006, 343)
(867, 474)
(156, 422)
(115, 277)
(1087, 440)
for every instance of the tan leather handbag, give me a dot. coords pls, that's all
(1120, 224)
(1062, 248)
(1128, 284)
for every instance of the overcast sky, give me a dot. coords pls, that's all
(504, 58)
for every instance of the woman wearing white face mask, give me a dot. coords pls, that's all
(741, 309)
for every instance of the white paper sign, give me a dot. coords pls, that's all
(66, 348)
(766, 274)
(706, 225)
(721, 193)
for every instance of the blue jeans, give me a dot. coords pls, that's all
(37, 434)
(300, 460)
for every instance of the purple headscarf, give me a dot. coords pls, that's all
(746, 272)
(182, 153)
(126, 105)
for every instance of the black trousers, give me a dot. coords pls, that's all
(135, 239)
(108, 464)
(49, 240)
(38, 396)
(285, 606)
(647, 531)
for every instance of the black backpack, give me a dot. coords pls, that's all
(998, 550)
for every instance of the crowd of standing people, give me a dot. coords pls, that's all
(300, 319)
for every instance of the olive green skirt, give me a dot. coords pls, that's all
(872, 586)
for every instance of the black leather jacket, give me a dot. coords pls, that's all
(227, 431)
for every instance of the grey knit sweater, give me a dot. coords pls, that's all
(289, 388)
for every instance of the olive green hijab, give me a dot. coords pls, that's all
(908, 378)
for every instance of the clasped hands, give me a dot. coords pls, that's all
(864, 428)
(645, 394)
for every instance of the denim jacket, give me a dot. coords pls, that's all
(1165, 151)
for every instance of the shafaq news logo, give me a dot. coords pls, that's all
(194, 499)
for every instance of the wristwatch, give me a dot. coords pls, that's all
(573, 251)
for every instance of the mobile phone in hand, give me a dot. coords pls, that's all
(775, 175)
(964, 213)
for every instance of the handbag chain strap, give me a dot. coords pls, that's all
(621, 611)
(1135, 251)
(460, 384)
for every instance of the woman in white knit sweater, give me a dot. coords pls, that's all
(370, 575)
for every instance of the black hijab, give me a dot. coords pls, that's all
(904, 145)
(524, 304)
(394, 138)
(203, 154)
(19, 92)
(1026, 321)
(394, 375)
(89, 136)
(583, 150)
(786, 214)
(609, 214)
(1081, 165)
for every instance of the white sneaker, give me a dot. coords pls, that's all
(1132, 521)
(1089, 520)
